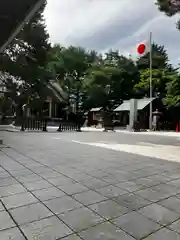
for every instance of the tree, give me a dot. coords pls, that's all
(123, 75)
(159, 58)
(94, 89)
(170, 8)
(172, 98)
(26, 58)
(70, 66)
(162, 72)
(160, 79)
(111, 80)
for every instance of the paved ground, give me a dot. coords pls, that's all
(61, 186)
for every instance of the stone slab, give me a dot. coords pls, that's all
(46, 229)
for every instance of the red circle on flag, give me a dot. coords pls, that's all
(141, 48)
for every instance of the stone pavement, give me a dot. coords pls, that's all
(53, 190)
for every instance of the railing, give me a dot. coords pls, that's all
(34, 124)
(40, 124)
(67, 126)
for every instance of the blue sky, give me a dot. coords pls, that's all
(115, 24)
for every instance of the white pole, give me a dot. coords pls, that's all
(150, 80)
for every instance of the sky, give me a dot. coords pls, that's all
(111, 24)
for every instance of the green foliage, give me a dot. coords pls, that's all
(26, 59)
(159, 58)
(69, 66)
(160, 79)
(111, 80)
(170, 8)
(163, 75)
(172, 98)
(84, 77)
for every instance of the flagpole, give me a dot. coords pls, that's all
(150, 80)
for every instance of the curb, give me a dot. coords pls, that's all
(148, 133)
(12, 130)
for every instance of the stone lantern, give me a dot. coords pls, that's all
(156, 119)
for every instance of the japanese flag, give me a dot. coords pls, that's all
(143, 48)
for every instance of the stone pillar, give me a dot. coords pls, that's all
(50, 108)
(28, 112)
(55, 110)
(132, 113)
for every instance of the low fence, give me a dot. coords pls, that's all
(34, 124)
(67, 126)
(40, 124)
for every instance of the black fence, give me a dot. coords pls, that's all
(67, 126)
(34, 124)
(40, 124)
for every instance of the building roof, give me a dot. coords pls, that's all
(57, 91)
(125, 106)
(96, 109)
(141, 104)
(12, 14)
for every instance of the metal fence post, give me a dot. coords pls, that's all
(60, 128)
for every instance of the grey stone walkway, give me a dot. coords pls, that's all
(48, 192)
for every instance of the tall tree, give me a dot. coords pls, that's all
(159, 58)
(124, 75)
(162, 72)
(111, 80)
(26, 58)
(160, 79)
(170, 8)
(70, 66)
(172, 98)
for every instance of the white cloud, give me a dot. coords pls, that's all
(81, 18)
(103, 24)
